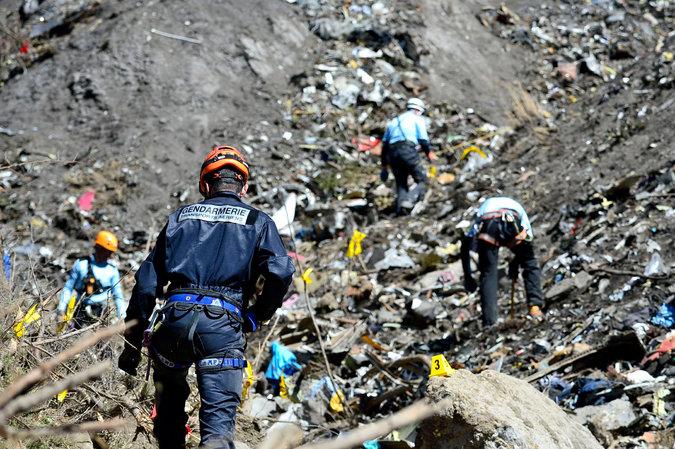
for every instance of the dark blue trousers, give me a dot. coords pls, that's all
(188, 335)
(405, 161)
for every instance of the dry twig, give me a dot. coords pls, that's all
(415, 413)
(256, 362)
(88, 427)
(27, 402)
(11, 406)
(66, 335)
(329, 371)
(42, 371)
(176, 36)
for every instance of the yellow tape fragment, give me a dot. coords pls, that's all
(354, 248)
(305, 275)
(283, 388)
(248, 381)
(31, 316)
(62, 396)
(473, 149)
(68, 317)
(337, 401)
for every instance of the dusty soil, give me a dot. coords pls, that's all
(113, 91)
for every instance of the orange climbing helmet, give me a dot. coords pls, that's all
(107, 240)
(222, 157)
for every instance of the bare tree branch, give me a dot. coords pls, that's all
(42, 371)
(27, 402)
(66, 335)
(415, 413)
(89, 426)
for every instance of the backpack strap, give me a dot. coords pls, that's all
(91, 279)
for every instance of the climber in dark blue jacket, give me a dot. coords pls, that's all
(211, 255)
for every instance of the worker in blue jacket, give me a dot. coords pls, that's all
(403, 136)
(211, 254)
(94, 280)
(501, 221)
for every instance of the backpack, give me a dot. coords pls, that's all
(500, 228)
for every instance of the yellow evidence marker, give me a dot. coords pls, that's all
(440, 367)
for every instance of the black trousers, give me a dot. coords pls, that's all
(188, 336)
(405, 161)
(489, 277)
(88, 314)
(488, 255)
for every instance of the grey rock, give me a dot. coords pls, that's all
(561, 288)
(261, 407)
(494, 410)
(582, 280)
(394, 259)
(611, 416)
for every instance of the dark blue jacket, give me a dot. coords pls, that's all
(220, 244)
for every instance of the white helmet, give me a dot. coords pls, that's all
(417, 104)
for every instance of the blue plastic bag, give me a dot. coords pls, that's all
(558, 389)
(594, 391)
(283, 362)
(7, 265)
(665, 316)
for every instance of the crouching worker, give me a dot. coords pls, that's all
(210, 254)
(501, 221)
(93, 281)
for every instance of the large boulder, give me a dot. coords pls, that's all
(497, 411)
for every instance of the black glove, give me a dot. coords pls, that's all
(129, 359)
(384, 174)
(470, 285)
(250, 322)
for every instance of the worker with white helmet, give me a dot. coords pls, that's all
(404, 135)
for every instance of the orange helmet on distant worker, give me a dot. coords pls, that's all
(107, 240)
(222, 157)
